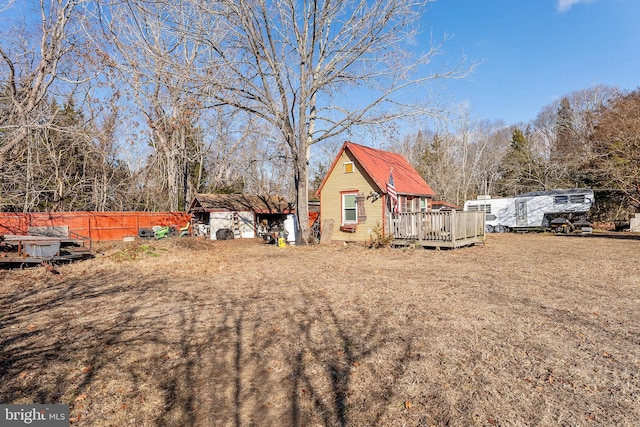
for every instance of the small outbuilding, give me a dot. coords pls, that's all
(369, 193)
(440, 205)
(227, 216)
(363, 186)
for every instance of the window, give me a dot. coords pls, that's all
(409, 204)
(423, 204)
(348, 167)
(521, 210)
(576, 198)
(561, 200)
(349, 209)
(404, 204)
(416, 204)
(479, 208)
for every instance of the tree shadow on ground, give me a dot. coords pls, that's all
(144, 350)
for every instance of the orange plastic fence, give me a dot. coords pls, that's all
(313, 216)
(95, 225)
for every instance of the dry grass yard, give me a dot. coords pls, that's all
(535, 330)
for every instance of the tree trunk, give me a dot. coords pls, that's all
(301, 165)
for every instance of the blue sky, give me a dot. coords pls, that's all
(531, 52)
(535, 51)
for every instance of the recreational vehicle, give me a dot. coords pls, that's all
(555, 209)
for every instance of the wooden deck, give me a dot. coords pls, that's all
(450, 229)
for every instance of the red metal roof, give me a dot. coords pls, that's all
(440, 204)
(378, 165)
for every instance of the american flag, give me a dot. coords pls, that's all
(393, 196)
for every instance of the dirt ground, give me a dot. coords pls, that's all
(536, 330)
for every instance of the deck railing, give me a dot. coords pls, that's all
(447, 227)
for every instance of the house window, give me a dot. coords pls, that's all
(349, 209)
(404, 204)
(348, 167)
(423, 204)
(410, 204)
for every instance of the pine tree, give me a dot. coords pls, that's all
(520, 169)
(566, 145)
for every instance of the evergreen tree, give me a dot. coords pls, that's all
(520, 168)
(565, 144)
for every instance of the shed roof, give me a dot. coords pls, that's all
(239, 203)
(440, 204)
(378, 165)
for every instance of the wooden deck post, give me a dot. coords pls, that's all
(454, 225)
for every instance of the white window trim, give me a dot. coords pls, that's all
(353, 168)
(355, 208)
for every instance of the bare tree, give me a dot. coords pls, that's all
(157, 64)
(616, 146)
(560, 135)
(48, 150)
(29, 69)
(491, 145)
(461, 159)
(477, 149)
(434, 155)
(314, 69)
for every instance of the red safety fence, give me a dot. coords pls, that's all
(95, 225)
(313, 217)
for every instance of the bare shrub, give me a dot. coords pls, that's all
(378, 238)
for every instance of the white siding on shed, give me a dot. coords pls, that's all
(220, 220)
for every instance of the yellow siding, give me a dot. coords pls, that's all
(331, 199)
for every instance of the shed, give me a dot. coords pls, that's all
(440, 205)
(245, 216)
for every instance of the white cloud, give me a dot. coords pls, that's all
(565, 5)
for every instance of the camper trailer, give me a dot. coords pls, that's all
(560, 210)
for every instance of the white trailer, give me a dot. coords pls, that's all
(555, 209)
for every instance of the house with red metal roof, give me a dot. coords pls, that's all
(356, 195)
